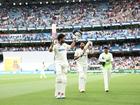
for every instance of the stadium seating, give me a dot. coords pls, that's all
(69, 14)
(119, 62)
(85, 35)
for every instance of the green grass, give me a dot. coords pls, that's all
(31, 90)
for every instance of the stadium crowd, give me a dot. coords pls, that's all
(111, 34)
(118, 63)
(24, 37)
(85, 35)
(32, 16)
(29, 48)
(116, 46)
(94, 48)
(127, 63)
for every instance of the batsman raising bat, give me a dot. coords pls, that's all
(61, 64)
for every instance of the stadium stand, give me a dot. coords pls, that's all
(70, 14)
(86, 35)
(120, 63)
(121, 41)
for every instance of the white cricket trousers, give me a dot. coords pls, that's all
(107, 77)
(82, 70)
(61, 79)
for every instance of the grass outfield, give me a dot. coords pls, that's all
(31, 90)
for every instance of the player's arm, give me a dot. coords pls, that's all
(51, 47)
(76, 55)
(87, 45)
(73, 43)
(90, 51)
(102, 60)
(70, 46)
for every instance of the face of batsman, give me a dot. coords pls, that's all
(82, 45)
(62, 40)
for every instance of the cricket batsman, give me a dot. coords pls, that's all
(61, 64)
(81, 57)
(106, 60)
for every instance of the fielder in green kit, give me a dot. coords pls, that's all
(106, 60)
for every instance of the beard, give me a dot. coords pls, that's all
(82, 47)
(62, 41)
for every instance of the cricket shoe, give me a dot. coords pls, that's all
(107, 91)
(82, 91)
(63, 96)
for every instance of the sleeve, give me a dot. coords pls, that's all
(76, 53)
(101, 58)
(54, 48)
(87, 51)
(67, 46)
